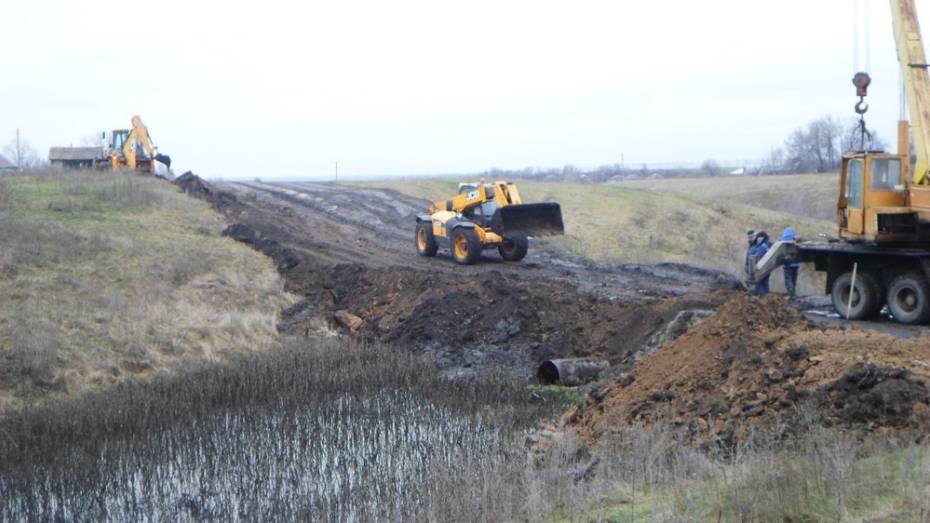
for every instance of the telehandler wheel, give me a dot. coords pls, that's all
(514, 248)
(466, 247)
(426, 242)
(865, 300)
(909, 299)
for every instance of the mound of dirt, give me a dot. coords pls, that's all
(285, 258)
(756, 362)
(490, 311)
(195, 186)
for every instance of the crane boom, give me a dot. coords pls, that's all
(916, 82)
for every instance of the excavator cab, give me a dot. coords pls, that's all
(118, 138)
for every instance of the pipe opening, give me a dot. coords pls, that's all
(570, 372)
(548, 373)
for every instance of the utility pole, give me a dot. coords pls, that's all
(19, 153)
(337, 172)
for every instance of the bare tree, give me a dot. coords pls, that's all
(775, 163)
(22, 153)
(853, 139)
(711, 167)
(93, 140)
(815, 147)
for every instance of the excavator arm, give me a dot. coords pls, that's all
(916, 82)
(140, 135)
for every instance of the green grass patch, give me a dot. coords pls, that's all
(558, 394)
(107, 276)
(829, 479)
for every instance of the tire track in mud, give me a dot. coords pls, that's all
(350, 253)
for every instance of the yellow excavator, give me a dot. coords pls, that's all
(882, 255)
(123, 149)
(133, 149)
(485, 216)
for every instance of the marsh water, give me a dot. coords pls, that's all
(355, 459)
(315, 431)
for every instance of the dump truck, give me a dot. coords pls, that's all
(881, 256)
(485, 216)
(123, 149)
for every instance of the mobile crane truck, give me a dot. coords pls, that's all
(882, 255)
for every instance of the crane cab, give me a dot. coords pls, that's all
(873, 204)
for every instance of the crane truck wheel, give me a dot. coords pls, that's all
(426, 242)
(909, 299)
(514, 247)
(865, 302)
(466, 247)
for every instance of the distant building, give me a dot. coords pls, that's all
(6, 165)
(76, 157)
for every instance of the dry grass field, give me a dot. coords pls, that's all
(700, 221)
(107, 277)
(807, 195)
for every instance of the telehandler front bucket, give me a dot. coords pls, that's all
(531, 219)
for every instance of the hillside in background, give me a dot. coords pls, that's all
(107, 277)
(806, 195)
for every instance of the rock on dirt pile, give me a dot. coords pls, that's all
(758, 365)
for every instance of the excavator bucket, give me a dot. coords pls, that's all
(531, 219)
(163, 158)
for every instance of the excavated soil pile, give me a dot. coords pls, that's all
(490, 311)
(193, 185)
(757, 365)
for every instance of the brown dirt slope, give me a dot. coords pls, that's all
(757, 365)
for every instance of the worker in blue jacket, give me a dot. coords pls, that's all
(791, 269)
(760, 246)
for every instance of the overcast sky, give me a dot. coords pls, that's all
(282, 89)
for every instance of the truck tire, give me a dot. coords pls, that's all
(865, 302)
(426, 242)
(466, 247)
(909, 299)
(514, 248)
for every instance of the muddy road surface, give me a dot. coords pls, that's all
(350, 253)
(332, 224)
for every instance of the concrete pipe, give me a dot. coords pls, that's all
(570, 371)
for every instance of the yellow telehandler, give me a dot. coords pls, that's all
(485, 216)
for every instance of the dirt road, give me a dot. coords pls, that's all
(333, 224)
(350, 253)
